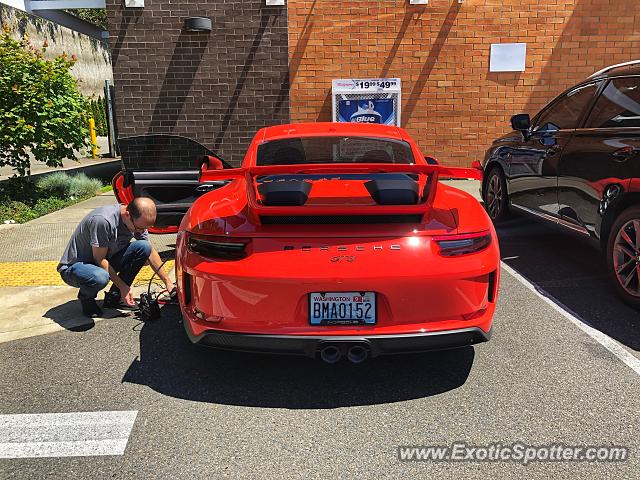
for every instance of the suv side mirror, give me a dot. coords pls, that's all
(521, 122)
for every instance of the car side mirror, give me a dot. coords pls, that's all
(521, 122)
(209, 162)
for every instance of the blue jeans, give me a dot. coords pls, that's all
(90, 278)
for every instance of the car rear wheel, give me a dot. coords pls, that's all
(623, 255)
(496, 199)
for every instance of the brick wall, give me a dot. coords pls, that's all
(452, 104)
(218, 88)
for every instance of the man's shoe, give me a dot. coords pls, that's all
(90, 308)
(113, 300)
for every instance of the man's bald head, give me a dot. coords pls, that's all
(143, 208)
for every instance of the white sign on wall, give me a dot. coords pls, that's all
(508, 57)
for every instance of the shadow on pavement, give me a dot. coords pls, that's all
(69, 316)
(571, 271)
(171, 365)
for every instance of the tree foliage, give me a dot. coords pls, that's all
(42, 113)
(97, 111)
(96, 16)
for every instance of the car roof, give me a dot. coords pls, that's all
(294, 130)
(620, 69)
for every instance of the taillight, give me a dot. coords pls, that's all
(220, 248)
(456, 245)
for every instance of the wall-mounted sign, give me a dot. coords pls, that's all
(508, 57)
(367, 100)
(367, 111)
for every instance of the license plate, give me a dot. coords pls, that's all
(342, 308)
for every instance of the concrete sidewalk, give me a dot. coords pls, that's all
(32, 294)
(472, 187)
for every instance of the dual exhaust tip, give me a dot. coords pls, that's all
(355, 353)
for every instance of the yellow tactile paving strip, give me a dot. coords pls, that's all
(35, 274)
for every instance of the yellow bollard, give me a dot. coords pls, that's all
(94, 140)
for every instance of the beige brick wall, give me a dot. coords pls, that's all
(452, 104)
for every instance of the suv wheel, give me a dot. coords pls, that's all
(496, 200)
(623, 255)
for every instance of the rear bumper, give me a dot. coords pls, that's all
(310, 345)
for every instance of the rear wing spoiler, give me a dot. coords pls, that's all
(430, 174)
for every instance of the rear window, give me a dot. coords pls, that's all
(316, 150)
(618, 106)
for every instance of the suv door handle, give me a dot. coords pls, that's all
(625, 153)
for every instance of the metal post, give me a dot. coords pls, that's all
(94, 140)
(110, 116)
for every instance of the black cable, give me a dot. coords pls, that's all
(150, 302)
(154, 274)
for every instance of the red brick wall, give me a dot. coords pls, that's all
(451, 103)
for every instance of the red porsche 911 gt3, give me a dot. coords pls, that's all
(334, 240)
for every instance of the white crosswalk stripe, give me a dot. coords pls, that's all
(75, 434)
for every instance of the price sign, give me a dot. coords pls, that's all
(355, 85)
(367, 100)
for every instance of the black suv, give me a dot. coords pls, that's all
(577, 164)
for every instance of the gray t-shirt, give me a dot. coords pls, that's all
(103, 227)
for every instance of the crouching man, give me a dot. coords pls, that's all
(101, 249)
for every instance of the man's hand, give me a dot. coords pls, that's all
(126, 295)
(169, 284)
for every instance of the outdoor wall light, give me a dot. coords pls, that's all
(134, 3)
(418, 2)
(274, 2)
(197, 24)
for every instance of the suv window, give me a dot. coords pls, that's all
(566, 112)
(618, 106)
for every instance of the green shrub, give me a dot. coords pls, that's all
(16, 211)
(97, 16)
(48, 205)
(22, 200)
(62, 185)
(41, 110)
(82, 186)
(55, 185)
(20, 212)
(97, 112)
(17, 188)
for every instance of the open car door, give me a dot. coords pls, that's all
(167, 169)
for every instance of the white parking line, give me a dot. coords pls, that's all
(606, 341)
(77, 434)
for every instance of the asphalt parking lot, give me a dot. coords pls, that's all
(543, 378)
